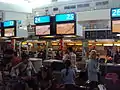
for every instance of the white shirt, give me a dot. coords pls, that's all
(73, 59)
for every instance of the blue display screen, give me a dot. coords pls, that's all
(115, 12)
(41, 19)
(65, 17)
(9, 23)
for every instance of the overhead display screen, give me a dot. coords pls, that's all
(115, 12)
(65, 17)
(43, 30)
(41, 19)
(66, 28)
(9, 23)
(116, 26)
(0, 33)
(9, 32)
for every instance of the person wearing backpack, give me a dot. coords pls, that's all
(68, 76)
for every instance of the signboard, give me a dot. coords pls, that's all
(10, 23)
(41, 19)
(115, 12)
(65, 17)
(106, 34)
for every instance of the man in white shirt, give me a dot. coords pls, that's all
(72, 57)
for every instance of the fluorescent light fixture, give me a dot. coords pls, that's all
(98, 44)
(105, 40)
(116, 44)
(71, 44)
(70, 36)
(54, 44)
(107, 44)
(78, 44)
(48, 36)
(118, 35)
(89, 44)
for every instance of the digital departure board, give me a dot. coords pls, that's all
(9, 32)
(65, 17)
(65, 28)
(42, 30)
(102, 34)
(9, 23)
(41, 19)
(115, 12)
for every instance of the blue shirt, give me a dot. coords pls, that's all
(92, 70)
(68, 79)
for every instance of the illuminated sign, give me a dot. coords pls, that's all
(65, 17)
(9, 23)
(41, 19)
(115, 12)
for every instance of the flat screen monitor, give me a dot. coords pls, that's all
(9, 32)
(116, 26)
(65, 29)
(0, 33)
(43, 30)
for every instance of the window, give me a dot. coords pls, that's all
(101, 3)
(55, 9)
(66, 7)
(83, 5)
(70, 7)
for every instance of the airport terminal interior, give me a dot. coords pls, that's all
(59, 44)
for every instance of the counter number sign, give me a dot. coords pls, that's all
(65, 17)
(115, 12)
(41, 19)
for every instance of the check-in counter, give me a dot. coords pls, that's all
(37, 62)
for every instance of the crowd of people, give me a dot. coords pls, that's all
(23, 69)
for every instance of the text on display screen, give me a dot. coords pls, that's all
(41, 19)
(9, 23)
(115, 12)
(65, 17)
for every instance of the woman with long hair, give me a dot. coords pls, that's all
(93, 70)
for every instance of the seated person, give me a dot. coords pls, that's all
(25, 70)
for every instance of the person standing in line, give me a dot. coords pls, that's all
(68, 76)
(65, 56)
(72, 57)
(93, 70)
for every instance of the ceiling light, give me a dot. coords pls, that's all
(118, 35)
(107, 44)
